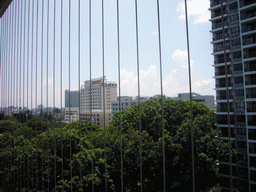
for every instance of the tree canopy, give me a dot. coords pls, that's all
(30, 151)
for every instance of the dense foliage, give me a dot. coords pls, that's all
(30, 151)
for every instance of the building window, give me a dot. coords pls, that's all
(239, 92)
(238, 80)
(238, 67)
(237, 55)
(234, 18)
(235, 30)
(233, 6)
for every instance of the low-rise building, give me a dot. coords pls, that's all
(206, 99)
(126, 102)
(96, 117)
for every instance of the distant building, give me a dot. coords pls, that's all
(73, 115)
(40, 107)
(126, 102)
(91, 101)
(97, 117)
(206, 99)
(92, 94)
(73, 100)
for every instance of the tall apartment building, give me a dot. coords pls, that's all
(240, 43)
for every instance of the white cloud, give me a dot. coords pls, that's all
(154, 33)
(176, 81)
(197, 9)
(181, 58)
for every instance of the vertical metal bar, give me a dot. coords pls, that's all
(161, 81)
(119, 84)
(21, 34)
(139, 104)
(190, 95)
(23, 102)
(42, 68)
(227, 95)
(69, 49)
(54, 47)
(15, 82)
(28, 32)
(79, 88)
(61, 60)
(32, 61)
(37, 29)
(47, 91)
(90, 62)
(104, 101)
(8, 61)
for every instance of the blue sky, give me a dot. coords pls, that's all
(173, 37)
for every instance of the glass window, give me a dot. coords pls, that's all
(239, 92)
(235, 30)
(238, 80)
(234, 18)
(233, 6)
(238, 67)
(236, 54)
(236, 42)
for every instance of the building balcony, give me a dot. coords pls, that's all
(245, 3)
(217, 2)
(219, 85)
(251, 109)
(250, 82)
(221, 60)
(249, 40)
(224, 109)
(250, 96)
(252, 134)
(218, 13)
(220, 47)
(220, 36)
(249, 27)
(250, 67)
(219, 25)
(219, 73)
(223, 97)
(247, 15)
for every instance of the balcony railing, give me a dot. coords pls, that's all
(251, 109)
(219, 24)
(248, 28)
(250, 40)
(220, 36)
(219, 85)
(224, 109)
(250, 82)
(250, 96)
(216, 2)
(218, 73)
(218, 61)
(216, 14)
(223, 97)
(244, 3)
(248, 15)
(221, 48)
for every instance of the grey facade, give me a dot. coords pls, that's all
(73, 100)
(206, 99)
(239, 21)
(126, 102)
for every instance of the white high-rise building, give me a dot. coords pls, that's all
(92, 94)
